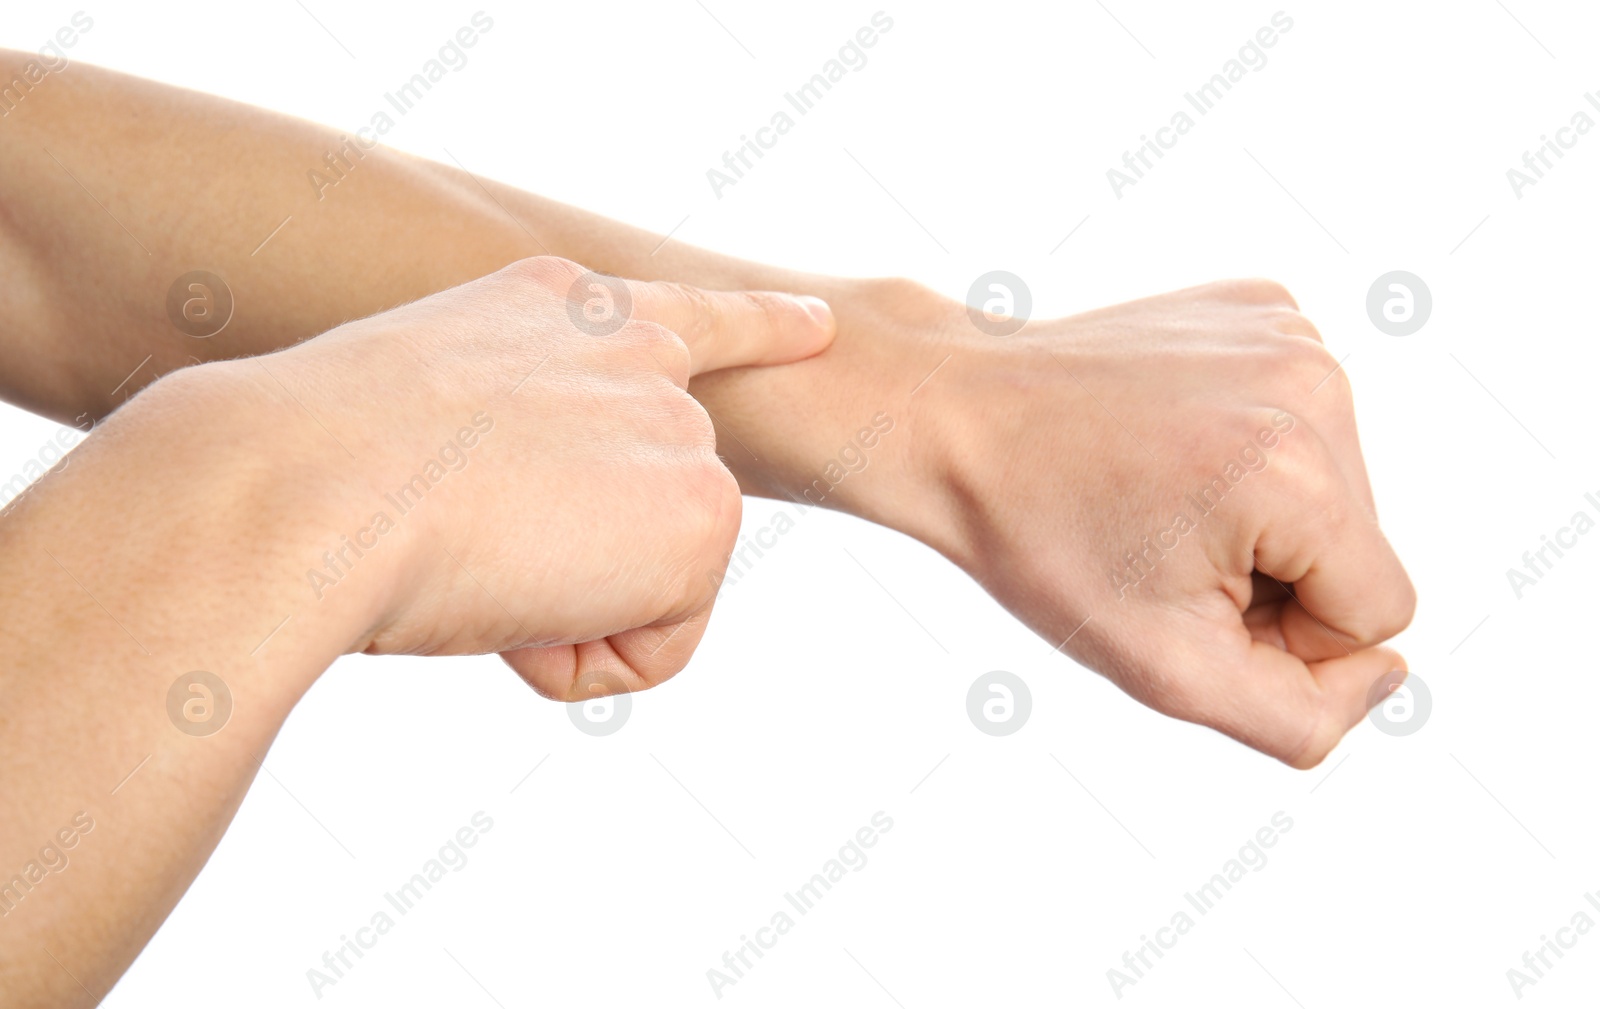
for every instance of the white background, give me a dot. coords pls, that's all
(1419, 868)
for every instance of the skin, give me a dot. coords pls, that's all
(596, 579)
(1038, 462)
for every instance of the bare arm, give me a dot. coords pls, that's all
(115, 187)
(520, 488)
(1053, 464)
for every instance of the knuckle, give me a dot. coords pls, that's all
(721, 488)
(660, 343)
(1334, 383)
(1301, 458)
(702, 431)
(1258, 291)
(1291, 322)
(1271, 292)
(549, 273)
(1404, 608)
(908, 299)
(1313, 358)
(693, 423)
(1319, 483)
(706, 529)
(1326, 392)
(902, 291)
(650, 335)
(1388, 617)
(1305, 365)
(713, 496)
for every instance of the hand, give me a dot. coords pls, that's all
(530, 475)
(510, 465)
(1174, 484)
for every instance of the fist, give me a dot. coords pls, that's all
(1175, 488)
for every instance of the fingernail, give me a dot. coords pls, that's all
(817, 308)
(1385, 685)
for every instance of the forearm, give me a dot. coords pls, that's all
(114, 187)
(515, 485)
(160, 551)
(102, 220)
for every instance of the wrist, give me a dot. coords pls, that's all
(864, 427)
(271, 471)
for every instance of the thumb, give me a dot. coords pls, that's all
(735, 329)
(1295, 711)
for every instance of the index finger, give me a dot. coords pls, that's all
(1323, 545)
(736, 329)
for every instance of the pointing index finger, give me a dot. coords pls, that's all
(736, 329)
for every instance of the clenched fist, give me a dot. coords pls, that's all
(1209, 514)
(1172, 487)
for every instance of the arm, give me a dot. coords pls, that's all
(1052, 465)
(162, 611)
(98, 225)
